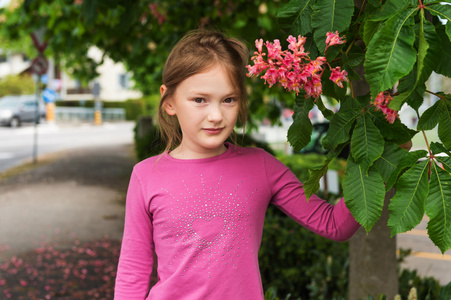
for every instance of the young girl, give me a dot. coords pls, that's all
(200, 206)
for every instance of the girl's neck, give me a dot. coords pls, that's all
(183, 152)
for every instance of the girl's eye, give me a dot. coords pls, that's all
(229, 100)
(199, 100)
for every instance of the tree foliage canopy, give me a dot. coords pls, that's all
(400, 43)
(140, 34)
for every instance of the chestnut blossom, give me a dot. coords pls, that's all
(381, 103)
(338, 76)
(293, 68)
(259, 45)
(334, 39)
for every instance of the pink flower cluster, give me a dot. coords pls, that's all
(85, 271)
(156, 12)
(293, 68)
(381, 103)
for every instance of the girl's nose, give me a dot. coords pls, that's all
(215, 114)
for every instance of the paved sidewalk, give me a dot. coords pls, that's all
(425, 257)
(77, 194)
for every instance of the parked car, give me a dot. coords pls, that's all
(15, 110)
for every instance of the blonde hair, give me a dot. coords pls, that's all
(196, 52)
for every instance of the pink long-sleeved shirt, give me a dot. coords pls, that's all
(203, 219)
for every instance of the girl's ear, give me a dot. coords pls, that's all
(168, 104)
(163, 90)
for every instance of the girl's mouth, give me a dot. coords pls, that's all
(213, 130)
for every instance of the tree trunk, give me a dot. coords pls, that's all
(373, 268)
(373, 264)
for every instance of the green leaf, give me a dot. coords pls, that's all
(390, 54)
(341, 123)
(444, 65)
(367, 144)
(375, 3)
(416, 99)
(390, 8)
(412, 87)
(354, 59)
(387, 164)
(310, 46)
(399, 100)
(333, 52)
(330, 89)
(423, 46)
(89, 11)
(444, 12)
(432, 57)
(300, 131)
(407, 161)
(411, 91)
(327, 113)
(437, 148)
(352, 75)
(311, 186)
(438, 208)
(295, 17)
(330, 15)
(430, 118)
(444, 127)
(431, 1)
(369, 30)
(445, 161)
(364, 193)
(407, 206)
(407, 83)
(397, 132)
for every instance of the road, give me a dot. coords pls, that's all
(16, 144)
(426, 258)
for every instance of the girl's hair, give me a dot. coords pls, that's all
(196, 52)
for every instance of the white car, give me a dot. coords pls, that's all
(14, 110)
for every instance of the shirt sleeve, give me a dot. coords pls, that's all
(136, 258)
(334, 222)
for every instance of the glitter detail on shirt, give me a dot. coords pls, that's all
(208, 226)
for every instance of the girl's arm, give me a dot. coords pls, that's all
(334, 222)
(136, 259)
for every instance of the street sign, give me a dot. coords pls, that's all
(45, 79)
(38, 39)
(39, 65)
(96, 89)
(49, 95)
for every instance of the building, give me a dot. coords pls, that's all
(12, 63)
(114, 80)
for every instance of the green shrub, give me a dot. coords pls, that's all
(17, 85)
(150, 144)
(134, 108)
(298, 262)
(151, 104)
(426, 286)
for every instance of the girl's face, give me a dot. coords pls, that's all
(206, 105)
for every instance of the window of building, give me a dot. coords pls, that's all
(124, 81)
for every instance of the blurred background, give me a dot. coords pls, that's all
(79, 93)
